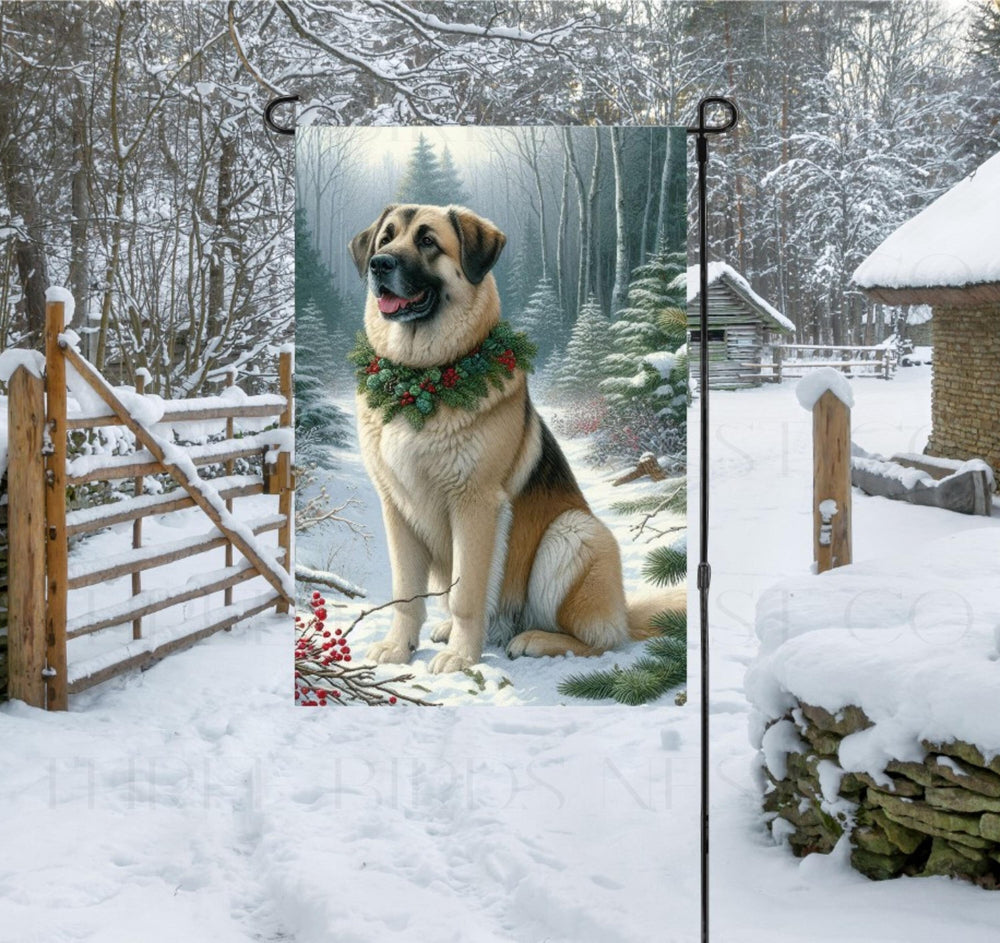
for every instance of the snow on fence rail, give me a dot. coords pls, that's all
(41, 576)
(795, 360)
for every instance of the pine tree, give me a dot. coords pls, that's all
(451, 181)
(426, 179)
(582, 368)
(319, 425)
(539, 316)
(645, 339)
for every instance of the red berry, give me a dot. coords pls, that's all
(392, 700)
(347, 657)
(316, 594)
(336, 631)
(336, 694)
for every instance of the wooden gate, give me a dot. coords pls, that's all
(41, 620)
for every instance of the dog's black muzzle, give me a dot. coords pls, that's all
(403, 290)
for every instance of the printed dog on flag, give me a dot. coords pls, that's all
(476, 493)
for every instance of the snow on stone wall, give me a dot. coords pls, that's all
(875, 701)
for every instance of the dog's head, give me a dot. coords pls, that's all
(416, 258)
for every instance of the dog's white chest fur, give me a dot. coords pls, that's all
(423, 472)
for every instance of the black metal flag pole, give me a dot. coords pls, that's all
(725, 111)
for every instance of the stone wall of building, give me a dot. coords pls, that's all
(966, 388)
(940, 816)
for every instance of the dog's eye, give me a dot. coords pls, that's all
(427, 242)
(386, 237)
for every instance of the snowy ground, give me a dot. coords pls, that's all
(525, 681)
(194, 802)
(761, 533)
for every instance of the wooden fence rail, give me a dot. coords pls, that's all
(42, 616)
(795, 360)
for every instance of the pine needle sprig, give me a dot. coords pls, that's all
(665, 566)
(672, 499)
(646, 680)
(668, 648)
(672, 624)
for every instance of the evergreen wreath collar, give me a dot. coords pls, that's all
(416, 392)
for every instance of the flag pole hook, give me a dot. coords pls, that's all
(269, 121)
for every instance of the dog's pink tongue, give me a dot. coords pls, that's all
(389, 303)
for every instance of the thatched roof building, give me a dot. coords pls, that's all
(948, 256)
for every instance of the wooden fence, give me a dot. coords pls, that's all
(41, 578)
(795, 360)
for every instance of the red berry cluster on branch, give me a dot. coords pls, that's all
(323, 672)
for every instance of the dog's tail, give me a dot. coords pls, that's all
(642, 610)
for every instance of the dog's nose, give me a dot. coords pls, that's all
(382, 264)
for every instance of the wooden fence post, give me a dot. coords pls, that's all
(56, 682)
(227, 596)
(776, 370)
(831, 482)
(137, 486)
(286, 496)
(26, 529)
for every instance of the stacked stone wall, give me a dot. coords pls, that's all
(966, 385)
(940, 816)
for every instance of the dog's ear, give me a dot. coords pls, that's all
(362, 246)
(480, 241)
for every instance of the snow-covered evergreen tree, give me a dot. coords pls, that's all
(582, 369)
(647, 361)
(520, 270)
(539, 317)
(319, 332)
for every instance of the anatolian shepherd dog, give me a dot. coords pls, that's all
(480, 499)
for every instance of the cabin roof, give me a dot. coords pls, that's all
(721, 273)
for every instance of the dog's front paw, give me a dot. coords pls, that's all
(532, 643)
(446, 661)
(388, 652)
(442, 631)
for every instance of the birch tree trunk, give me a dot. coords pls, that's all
(561, 237)
(583, 260)
(619, 292)
(665, 175)
(79, 265)
(592, 281)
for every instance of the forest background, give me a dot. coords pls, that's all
(136, 170)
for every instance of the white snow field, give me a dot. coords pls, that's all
(761, 535)
(194, 802)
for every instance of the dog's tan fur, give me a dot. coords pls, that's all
(480, 499)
